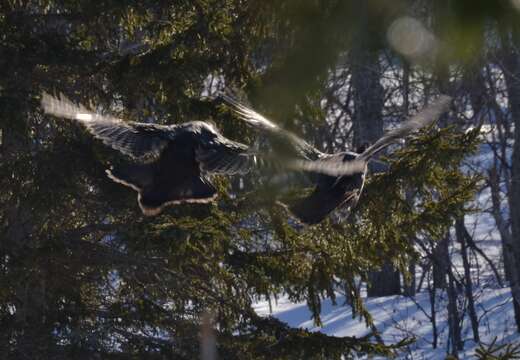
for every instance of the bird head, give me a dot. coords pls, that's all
(361, 148)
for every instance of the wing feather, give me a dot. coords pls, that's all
(139, 141)
(224, 157)
(333, 166)
(260, 122)
(425, 117)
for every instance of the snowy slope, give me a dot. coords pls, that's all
(397, 317)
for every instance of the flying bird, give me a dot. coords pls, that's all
(171, 162)
(340, 177)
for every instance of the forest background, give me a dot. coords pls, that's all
(83, 274)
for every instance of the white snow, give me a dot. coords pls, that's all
(397, 317)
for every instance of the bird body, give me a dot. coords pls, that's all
(174, 178)
(171, 162)
(340, 177)
(330, 193)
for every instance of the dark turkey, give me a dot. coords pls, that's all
(340, 177)
(172, 161)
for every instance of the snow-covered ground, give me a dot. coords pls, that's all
(397, 317)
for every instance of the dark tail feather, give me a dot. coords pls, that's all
(136, 176)
(197, 190)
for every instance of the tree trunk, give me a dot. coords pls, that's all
(432, 292)
(440, 253)
(453, 316)
(503, 227)
(410, 283)
(367, 122)
(366, 83)
(409, 286)
(468, 283)
(511, 65)
(440, 256)
(385, 282)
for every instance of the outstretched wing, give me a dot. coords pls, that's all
(223, 156)
(424, 118)
(142, 142)
(260, 122)
(219, 155)
(334, 166)
(331, 166)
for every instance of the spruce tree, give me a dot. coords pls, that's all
(85, 275)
